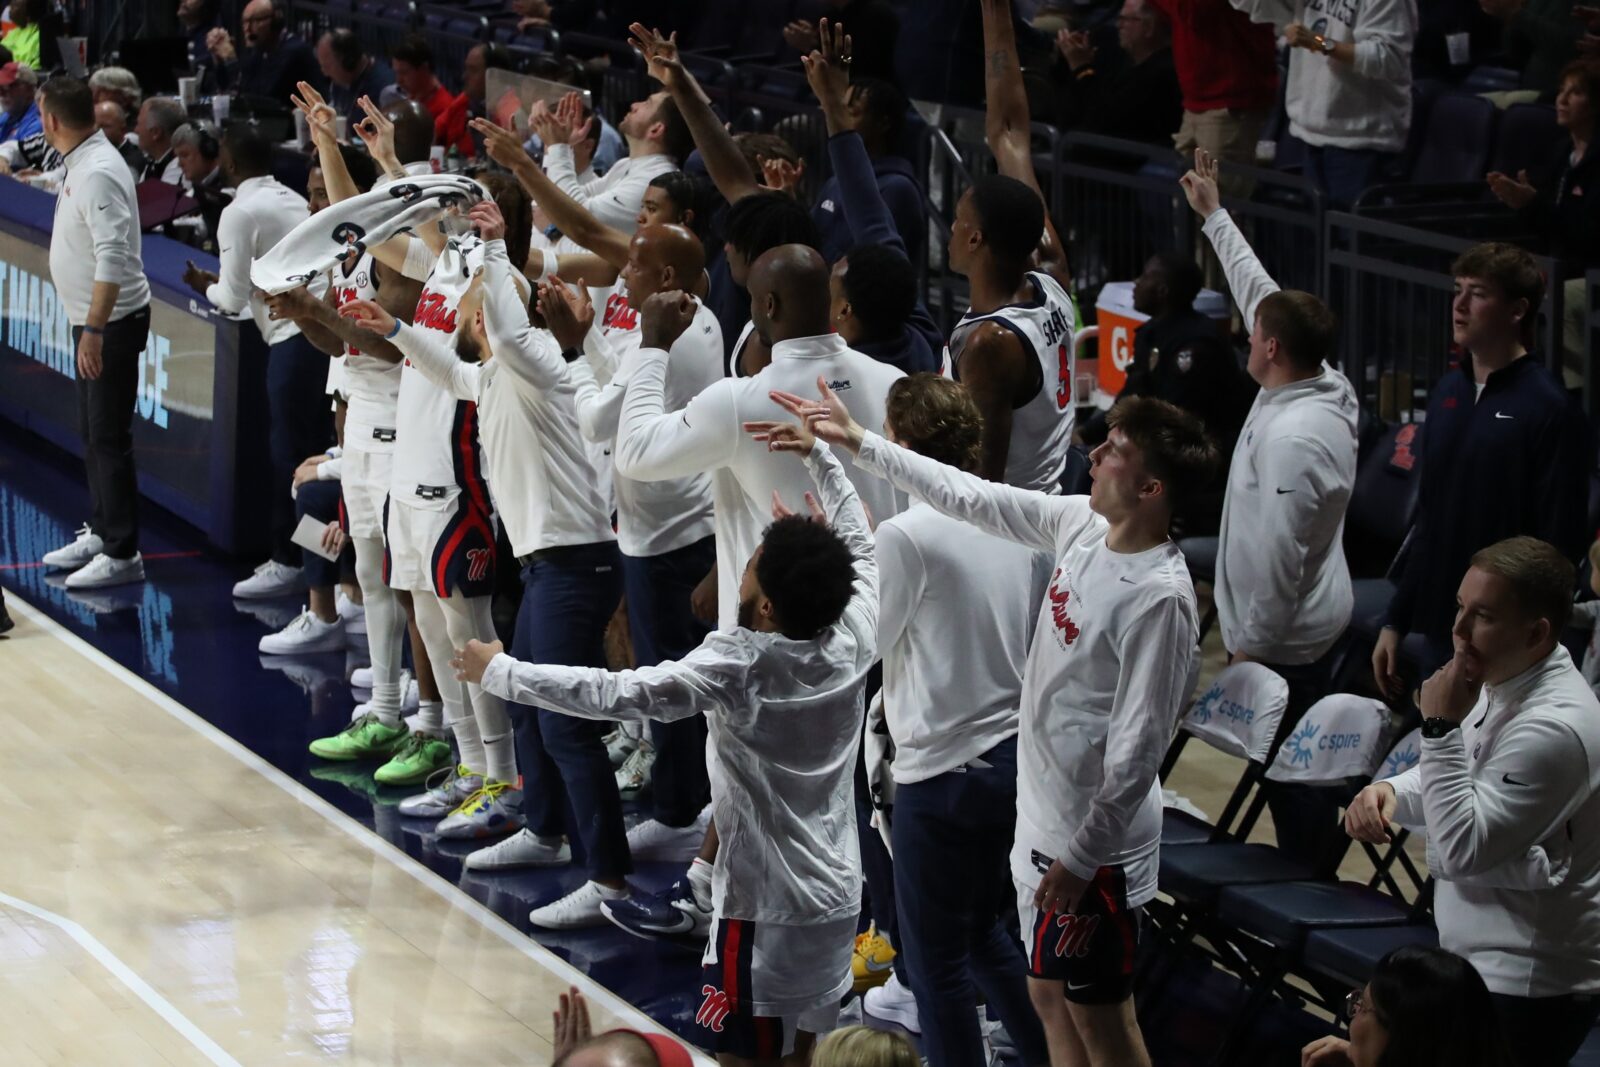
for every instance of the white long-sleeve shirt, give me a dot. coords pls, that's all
(785, 720)
(954, 624)
(1365, 104)
(653, 517)
(1283, 590)
(539, 471)
(1511, 804)
(708, 435)
(263, 211)
(615, 198)
(1107, 673)
(97, 223)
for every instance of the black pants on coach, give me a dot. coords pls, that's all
(300, 425)
(105, 420)
(1545, 1031)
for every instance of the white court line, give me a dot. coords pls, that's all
(632, 1017)
(130, 978)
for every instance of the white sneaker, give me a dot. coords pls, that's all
(577, 909)
(410, 698)
(634, 774)
(270, 579)
(620, 745)
(361, 678)
(894, 1003)
(84, 547)
(447, 789)
(522, 849)
(306, 633)
(652, 840)
(103, 571)
(353, 614)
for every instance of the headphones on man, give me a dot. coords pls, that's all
(210, 138)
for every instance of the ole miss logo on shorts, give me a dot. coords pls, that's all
(1074, 934)
(714, 1008)
(479, 560)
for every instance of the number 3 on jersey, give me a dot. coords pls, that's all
(1064, 376)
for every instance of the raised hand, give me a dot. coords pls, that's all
(485, 215)
(567, 315)
(1075, 47)
(800, 35)
(571, 1022)
(793, 437)
(1200, 185)
(829, 419)
(368, 315)
(320, 116)
(828, 67)
(569, 113)
(782, 175)
(547, 125)
(502, 145)
(377, 133)
(220, 44)
(780, 510)
(660, 53)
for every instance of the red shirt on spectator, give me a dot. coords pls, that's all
(1224, 60)
(450, 125)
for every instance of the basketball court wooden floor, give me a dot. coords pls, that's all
(168, 897)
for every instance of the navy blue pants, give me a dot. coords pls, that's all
(1344, 173)
(569, 594)
(663, 627)
(320, 500)
(952, 845)
(300, 424)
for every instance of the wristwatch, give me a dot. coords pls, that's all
(1438, 727)
(1324, 45)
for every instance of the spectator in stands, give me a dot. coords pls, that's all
(274, 59)
(1282, 588)
(197, 18)
(119, 85)
(1349, 91)
(562, 14)
(1180, 356)
(1508, 791)
(159, 119)
(1539, 38)
(1133, 94)
(1500, 427)
(198, 148)
(113, 122)
(876, 110)
(413, 73)
(874, 34)
(1552, 202)
(1228, 71)
(473, 101)
(351, 73)
(24, 149)
(1422, 1007)
(22, 40)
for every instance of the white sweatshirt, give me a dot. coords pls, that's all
(953, 630)
(1511, 805)
(785, 720)
(708, 435)
(1107, 673)
(543, 480)
(95, 235)
(263, 212)
(1365, 104)
(1283, 590)
(615, 198)
(653, 518)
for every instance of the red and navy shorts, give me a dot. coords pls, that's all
(1091, 951)
(724, 1017)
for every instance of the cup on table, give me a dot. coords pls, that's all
(302, 130)
(436, 158)
(189, 91)
(220, 106)
(341, 127)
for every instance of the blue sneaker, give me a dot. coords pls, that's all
(672, 913)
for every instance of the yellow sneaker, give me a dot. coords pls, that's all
(873, 960)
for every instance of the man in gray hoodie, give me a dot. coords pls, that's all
(1282, 587)
(1349, 90)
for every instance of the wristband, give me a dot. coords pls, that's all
(547, 266)
(390, 336)
(98, 331)
(1438, 726)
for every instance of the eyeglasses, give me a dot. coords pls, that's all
(1353, 1006)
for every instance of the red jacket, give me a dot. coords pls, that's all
(1224, 60)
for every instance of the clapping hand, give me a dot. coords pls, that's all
(782, 175)
(570, 117)
(1075, 48)
(1515, 192)
(1200, 185)
(567, 315)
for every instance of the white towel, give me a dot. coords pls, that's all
(356, 224)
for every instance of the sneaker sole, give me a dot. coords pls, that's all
(127, 579)
(645, 934)
(587, 924)
(519, 865)
(301, 651)
(900, 1018)
(510, 826)
(354, 757)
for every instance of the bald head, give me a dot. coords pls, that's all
(413, 130)
(789, 294)
(661, 257)
(615, 1049)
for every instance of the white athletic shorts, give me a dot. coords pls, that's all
(445, 549)
(364, 479)
(761, 982)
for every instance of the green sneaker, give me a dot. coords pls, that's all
(418, 756)
(365, 738)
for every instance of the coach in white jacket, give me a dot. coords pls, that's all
(1508, 791)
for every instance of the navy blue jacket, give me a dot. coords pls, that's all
(1514, 461)
(897, 186)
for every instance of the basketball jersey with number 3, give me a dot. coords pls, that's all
(1041, 429)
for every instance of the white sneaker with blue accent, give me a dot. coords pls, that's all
(485, 813)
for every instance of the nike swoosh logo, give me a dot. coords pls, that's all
(875, 966)
(1508, 780)
(1128, 580)
(102, 207)
(1075, 986)
(1283, 491)
(1503, 415)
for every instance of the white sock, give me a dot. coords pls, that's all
(501, 756)
(386, 628)
(430, 716)
(700, 882)
(465, 729)
(385, 703)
